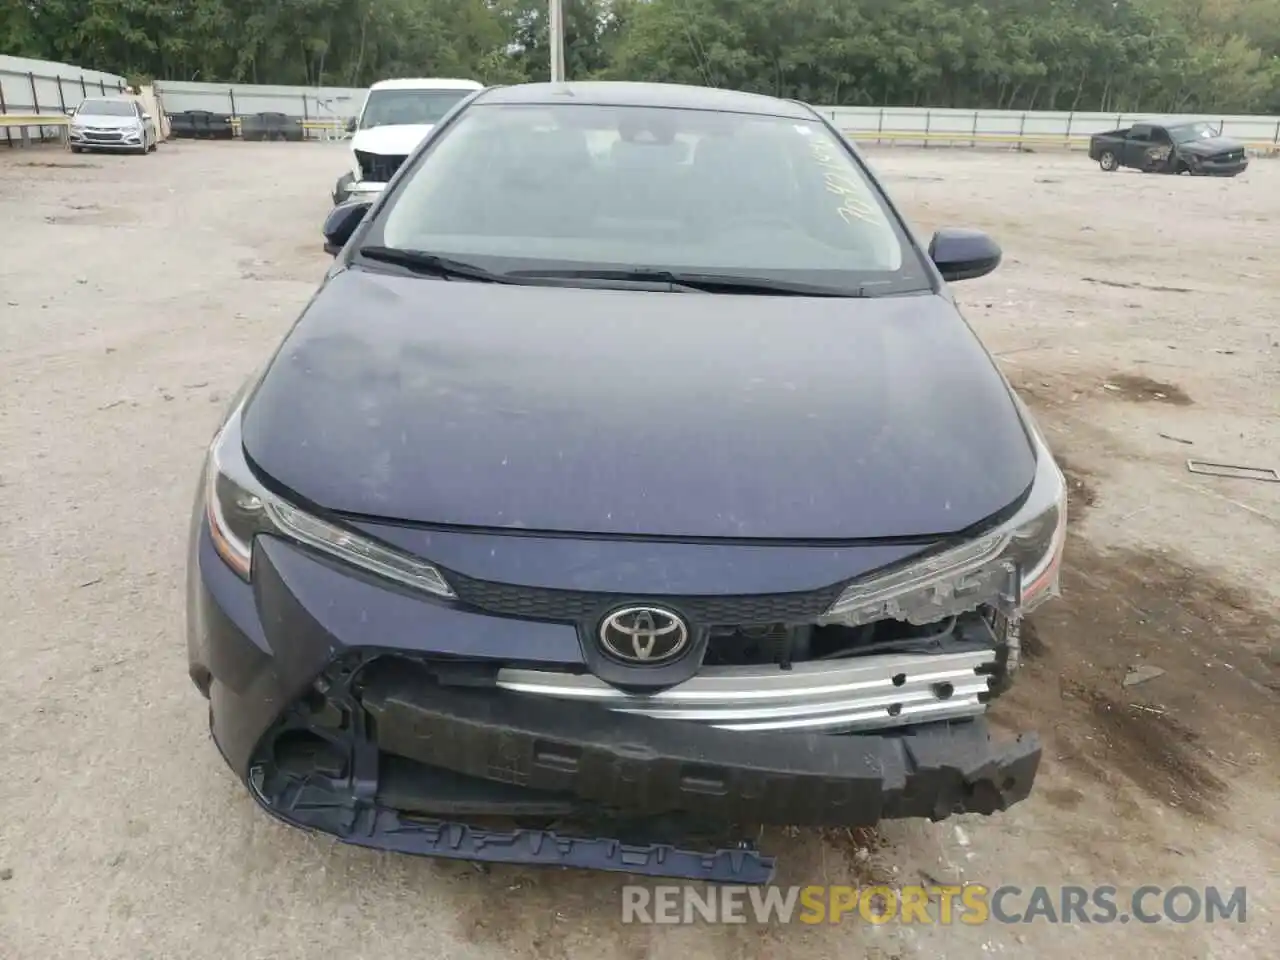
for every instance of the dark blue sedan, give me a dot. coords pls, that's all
(631, 474)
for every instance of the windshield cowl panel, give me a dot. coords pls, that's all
(590, 189)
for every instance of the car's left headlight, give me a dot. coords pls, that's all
(1013, 568)
(240, 508)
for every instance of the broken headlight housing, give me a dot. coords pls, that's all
(239, 508)
(1012, 569)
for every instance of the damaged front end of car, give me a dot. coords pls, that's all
(366, 693)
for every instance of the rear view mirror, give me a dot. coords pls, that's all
(963, 254)
(341, 223)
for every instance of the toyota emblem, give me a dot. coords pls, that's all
(645, 636)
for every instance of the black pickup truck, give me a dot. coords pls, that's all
(1191, 147)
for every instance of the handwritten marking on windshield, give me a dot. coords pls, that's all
(855, 203)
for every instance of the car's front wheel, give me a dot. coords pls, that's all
(1108, 161)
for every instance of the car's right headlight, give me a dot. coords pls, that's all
(240, 508)
(1013, 568)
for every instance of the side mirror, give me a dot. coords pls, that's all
(963, 254)
(341, 223)
(146, 116)
(351, 125)
(71, 111)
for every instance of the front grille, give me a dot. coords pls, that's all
(377, 167)
(573, 606)
(103, 135)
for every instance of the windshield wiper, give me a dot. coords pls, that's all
(422, 262)
(704, 282)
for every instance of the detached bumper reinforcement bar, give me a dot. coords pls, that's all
(383, 829)
(639, 763)
(862, 693)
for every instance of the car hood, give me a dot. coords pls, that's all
(619, 412)
(391, 141)
(1210, 146)
(106, 123)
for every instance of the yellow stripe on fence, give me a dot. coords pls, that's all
(933, 136)
(33, 120)
(957, 135)
(336, 123)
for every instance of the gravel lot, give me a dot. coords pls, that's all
(137, 293)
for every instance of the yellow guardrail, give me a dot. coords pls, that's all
(336, 125)
(335, 128)
(956, 136)
(34, 120)
(966, 136)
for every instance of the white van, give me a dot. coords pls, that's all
(396, 116)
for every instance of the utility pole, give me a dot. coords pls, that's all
(557, 40)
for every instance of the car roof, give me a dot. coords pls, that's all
(108, 100)
(627, 94)
(428, 83)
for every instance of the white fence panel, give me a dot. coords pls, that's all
(42, 86)
(39, 88)
(243, 99)
(929, 125)
(55, 84)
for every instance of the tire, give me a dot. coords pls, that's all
(75, 149)
(1108, 161)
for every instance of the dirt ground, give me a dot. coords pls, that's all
(1138, 316)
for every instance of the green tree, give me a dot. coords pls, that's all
(1207, 56)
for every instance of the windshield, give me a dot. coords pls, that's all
(106, 108)
(1185, 132)
(587, 187)
(395, 107)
